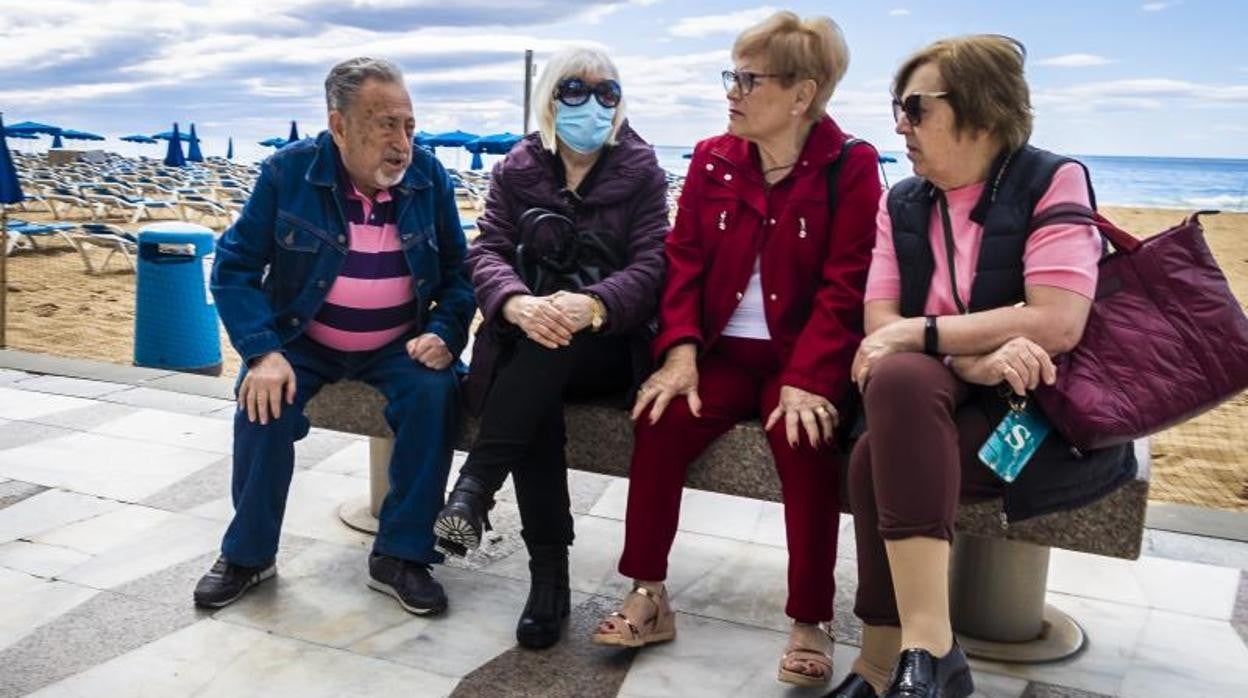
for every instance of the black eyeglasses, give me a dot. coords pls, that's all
(574, 92)
(912, 106)
(744, 80)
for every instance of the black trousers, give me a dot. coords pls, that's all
(522, 429)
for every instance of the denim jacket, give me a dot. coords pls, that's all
(276, 264)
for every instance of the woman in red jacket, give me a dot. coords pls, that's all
(760, 317)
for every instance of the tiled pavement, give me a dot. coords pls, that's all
(113, 498)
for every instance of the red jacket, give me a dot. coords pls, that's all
(813, 265)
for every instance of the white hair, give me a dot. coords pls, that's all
(571, 63)
(345, 79)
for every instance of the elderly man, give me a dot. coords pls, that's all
(347, 262)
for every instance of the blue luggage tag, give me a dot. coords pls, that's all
(1015, 440)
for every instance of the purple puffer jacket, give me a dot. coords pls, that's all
(628, 197)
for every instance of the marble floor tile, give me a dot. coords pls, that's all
(8, 376)
(172, 429)
(1182, 655)
(205, 485)
(103, 627)
(614, 501)
(14, 491)
(86, 418)
(38, 559)
(1189, 548)
(22, 404)
(177, 538)
(102, 465)
(14, 433)
(479, 624)
(1150, 582)
(311, 507)
(350, 459)
(168, 401)
(75, 387)
(1113, 632)
(106, 531)
(1044, 690)
(748, 586)
(319, 596)
(180, 665)
(30, 602)
(706, 513)
(320, 444)
(49, 510)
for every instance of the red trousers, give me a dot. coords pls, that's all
(737, 380)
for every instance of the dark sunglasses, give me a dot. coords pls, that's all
(574, 92)
(745, 81)
(912, 106)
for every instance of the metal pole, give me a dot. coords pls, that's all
(528, 87)
(4, 269)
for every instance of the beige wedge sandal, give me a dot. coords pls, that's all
(816, 663)
(618, 631)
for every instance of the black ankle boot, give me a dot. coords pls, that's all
(463, 521)
(549, 597)
(920, 675)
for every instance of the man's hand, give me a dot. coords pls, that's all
(430, 350)
(269, 379)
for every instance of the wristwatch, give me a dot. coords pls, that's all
(598, 313)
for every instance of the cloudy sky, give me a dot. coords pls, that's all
(1121, 77)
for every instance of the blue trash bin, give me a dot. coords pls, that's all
(175, 319)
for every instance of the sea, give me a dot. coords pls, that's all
(1178, 183)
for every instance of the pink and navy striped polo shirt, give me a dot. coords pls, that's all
(372, 302)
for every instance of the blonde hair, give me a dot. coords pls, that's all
(799, 49)
(570, 63)
(983, 75)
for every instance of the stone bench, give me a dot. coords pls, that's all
(999, 571)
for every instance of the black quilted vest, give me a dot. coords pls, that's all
(1060, 477)
(1015, 183)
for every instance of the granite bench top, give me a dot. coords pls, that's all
(600, 440)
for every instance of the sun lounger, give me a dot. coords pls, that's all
(109, 237)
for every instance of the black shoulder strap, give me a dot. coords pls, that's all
(834, 170)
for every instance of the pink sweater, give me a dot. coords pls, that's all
(1064, 256)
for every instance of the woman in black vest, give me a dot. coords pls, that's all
(965, 304)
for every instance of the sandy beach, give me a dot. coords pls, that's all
(55, 307)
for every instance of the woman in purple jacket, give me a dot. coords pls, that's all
(585, 175)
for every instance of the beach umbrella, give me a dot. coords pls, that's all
(495, 144)
(192, 153)
(173, 155)
(887, 158)
(455, 139)
(33, 127)
(273, 142)
(294, 133)
(138, 138)
(56, 141)
(476, 161)
(70, 134)
(168, 135)
(23, 136)
(10, 193)
(229, 151)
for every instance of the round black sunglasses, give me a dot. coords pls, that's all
(574, 92)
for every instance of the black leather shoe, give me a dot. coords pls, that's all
(410, 583)
(549, 597)
(920, 675)
(854, 686)
(226, 582)
(463, 520)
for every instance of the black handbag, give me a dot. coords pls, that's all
(554, 255)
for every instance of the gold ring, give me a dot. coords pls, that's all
(822, 411)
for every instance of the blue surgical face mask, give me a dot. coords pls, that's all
(583, 128)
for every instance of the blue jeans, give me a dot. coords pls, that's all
(423, 411)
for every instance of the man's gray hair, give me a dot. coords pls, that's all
(345, 79)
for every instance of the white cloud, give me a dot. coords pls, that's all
(1075, 60)
(899, 12)
(1157, 6)
(66, 94)
(1141, 94)
(730, 23)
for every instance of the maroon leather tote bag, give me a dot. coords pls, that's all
(1165, 341)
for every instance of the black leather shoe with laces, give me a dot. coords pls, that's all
(920, 675)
